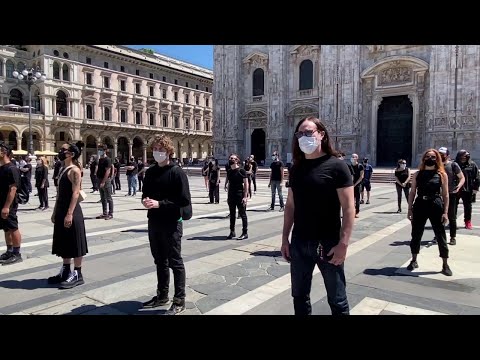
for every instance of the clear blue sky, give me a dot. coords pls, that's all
(201, 55)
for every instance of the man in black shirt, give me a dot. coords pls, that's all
(27, 174)
(276, 180)
(254, 173)
(456, 179)
(165, 193)
(237, 184)
(141, 174)
(93, 173)
(105, 183)
(358, 173)
(116, 164)
(320, 184)
(9, 183)
(132, 179)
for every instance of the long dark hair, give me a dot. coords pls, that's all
(298, 155)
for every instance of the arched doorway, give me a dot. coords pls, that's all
(61, 104)
(137, 148)
(258, 144)
(122, 149)
(26, 140)
(394, 130)
(90, 146)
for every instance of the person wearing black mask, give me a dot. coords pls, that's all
(69, 236)
(470, 187)
(403, 181)
(237, 195)
(430, 185)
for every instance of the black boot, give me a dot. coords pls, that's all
(243, 236)
(231, 236)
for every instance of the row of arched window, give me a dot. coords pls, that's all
(10, 67)
(305, 78)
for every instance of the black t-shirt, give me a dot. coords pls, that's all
(314, 185)
(9, 175)
(140, 168)
(276, 170)
(235, 181)
(452, 169)
(213, 173)
(104, 164)
(135, 170)
(28, 174)
(254, 166)
(401, 175)
(93, 165)
(357, 169)
(117, 167)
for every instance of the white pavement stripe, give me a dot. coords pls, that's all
(117, 230)
(253, 298)
(371, 306)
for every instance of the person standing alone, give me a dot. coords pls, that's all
(105, 183)
(358, 173)
(276, 180)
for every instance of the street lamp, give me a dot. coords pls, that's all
(30, 77)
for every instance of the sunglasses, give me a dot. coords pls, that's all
(307, 133)
(402, 163)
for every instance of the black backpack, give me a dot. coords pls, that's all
(186, 212)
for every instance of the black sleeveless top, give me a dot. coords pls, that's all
(402, 175)
(429, 183)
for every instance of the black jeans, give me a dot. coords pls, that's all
(452, 214)
(93, 179)
(214, 192)
(166, 247)
(356, 193)
(406, 191)
(43, 196)
(140, 183)
(466, 197)
(254, 180)
(117, 183)
(106, 197)
(233, 203)
(304, 256)
(423, 210)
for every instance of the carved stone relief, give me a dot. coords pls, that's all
(468, 144)
(468, 121)
(469, 103)
(441, 122)
(395, 76)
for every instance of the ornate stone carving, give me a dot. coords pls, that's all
(469, 104)
(430, 122)
(255, 115)
(468, 121)
(259, 123)
(440, 106)
(375, 48)
(305, 50)
(347, 108)
(395, 76)
(468, 144)
(256, 60)
(441, 122)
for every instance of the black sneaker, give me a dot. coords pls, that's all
(231, 236)
(453, 241)
(60, 277)
(413, 265)
(175, 309)
(73, 280)
(361, 202)
(244, 236)
(14, 258)
(6, 255)
(155, 302)
(446, 270)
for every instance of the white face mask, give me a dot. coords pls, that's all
(274, 158)
(353, 160)
(308, 144)
(159, 157)
(402, 166)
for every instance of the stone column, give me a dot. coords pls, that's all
(144, 153)
(19, 143)
(130, 149)
(115, 150)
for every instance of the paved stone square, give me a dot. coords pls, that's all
(239, 277)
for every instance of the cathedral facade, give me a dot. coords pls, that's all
(383, 102)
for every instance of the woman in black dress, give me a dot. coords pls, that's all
(69, 238)
(41, 182)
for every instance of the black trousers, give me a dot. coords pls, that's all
(356, 193)
(254, 180)
(466, 197)
(304, 256)
(93, 179)
(165, 245)
(406, 191)
(235, 202)
(214, 192)
(140, 183)
(422, 211)
(117, 183)
(452, 214)
(43, 196)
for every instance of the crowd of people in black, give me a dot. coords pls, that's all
(324, 197)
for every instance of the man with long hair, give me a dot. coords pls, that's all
(165, 193)
(430, 185)
(9, 184)
(319, 185)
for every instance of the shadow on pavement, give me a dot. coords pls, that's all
(407, 243)
(271, 253)
(392, 271)
(135, 231)
(208, 238)
(118, 308)
(27, 284)
(388, 212)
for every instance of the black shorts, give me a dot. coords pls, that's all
(366, 185)
(11, 222)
